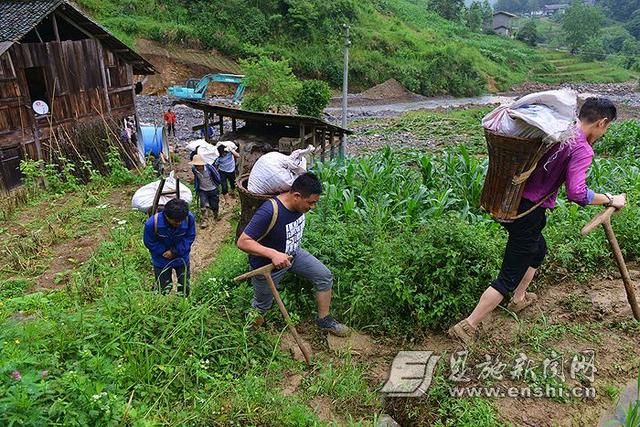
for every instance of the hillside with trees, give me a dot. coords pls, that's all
(412, 41)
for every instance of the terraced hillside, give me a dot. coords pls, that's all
(565, 68)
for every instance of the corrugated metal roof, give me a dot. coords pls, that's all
(285, 119)
(18, 17)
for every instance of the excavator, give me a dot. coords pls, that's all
(197, 89)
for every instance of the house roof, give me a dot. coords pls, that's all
(501, 12)
(253, 116)
(556, 6)
(18, 17)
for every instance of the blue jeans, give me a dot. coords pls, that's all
(304, 265)
(227, 180)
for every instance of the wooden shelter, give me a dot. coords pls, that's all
(57, 68)
(257, 133)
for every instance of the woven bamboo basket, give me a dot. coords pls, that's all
(511, 161)
(249, 203)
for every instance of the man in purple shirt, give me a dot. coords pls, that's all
(565, 163)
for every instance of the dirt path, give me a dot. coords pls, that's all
(568, 318)
(208, 240)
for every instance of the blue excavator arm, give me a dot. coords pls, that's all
(197, 89)
(218, 78)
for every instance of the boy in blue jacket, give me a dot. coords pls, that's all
(169, 235)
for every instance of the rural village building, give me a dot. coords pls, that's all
(257, 133)
(58, 68)
(552, 9)
(503, 23)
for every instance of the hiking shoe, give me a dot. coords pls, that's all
(331, 325)
(516, 307)
(257, 318)
(464, 332)
(258, 322)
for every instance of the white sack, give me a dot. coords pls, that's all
(208, 152)
(143, 198)
(274, 172)
(547, 114)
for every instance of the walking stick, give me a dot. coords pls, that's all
(266, 272)
(604, 218)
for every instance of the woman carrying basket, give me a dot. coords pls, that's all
(526, 248)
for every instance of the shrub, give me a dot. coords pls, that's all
(269, 84)
(529, 33)
(593, 50)
(313, 97)
(461, 77)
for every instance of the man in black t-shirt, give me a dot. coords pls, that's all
(274, 234)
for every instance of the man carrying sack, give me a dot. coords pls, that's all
(273, 236)
(566, 163)
(206, 181)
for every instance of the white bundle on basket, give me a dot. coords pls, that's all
(274, 172)
(143, 198)
(550, 115)
(228, 145)
(208, 152)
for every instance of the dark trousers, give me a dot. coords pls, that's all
(228, 180)
(526, 247)
(163, 278)
(171, 127)
(210, 199)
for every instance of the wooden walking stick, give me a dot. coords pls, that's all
(266, 272)
(604, 218)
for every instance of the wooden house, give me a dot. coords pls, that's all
(58, 67)
(503, 23)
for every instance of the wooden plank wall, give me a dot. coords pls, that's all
(75, 81)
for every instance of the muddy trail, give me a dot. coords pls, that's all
(569, 318)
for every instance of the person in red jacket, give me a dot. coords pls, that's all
(170, 121)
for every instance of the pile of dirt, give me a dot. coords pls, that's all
(174, 65)
(391, 89)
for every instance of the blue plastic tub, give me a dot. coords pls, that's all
(152, 139)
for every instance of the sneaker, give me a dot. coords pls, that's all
(331, 325)
(516, 307)
(464, 332)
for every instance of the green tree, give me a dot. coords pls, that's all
(513, 6)
(580, 23)
(270, 84)
(487, 15)
(528, 33)
(301, 16)
(631, 54)
(313, 98)
(614, 38)
(448, 9)
(474, 16)
(620, 10)
(593, 50)
(633, 26)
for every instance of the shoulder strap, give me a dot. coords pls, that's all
(155, 224)
(274, 218)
